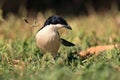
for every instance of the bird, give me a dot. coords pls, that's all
(48, 38)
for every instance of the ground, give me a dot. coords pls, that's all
(20, 59)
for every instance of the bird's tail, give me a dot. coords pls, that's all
(66, 43)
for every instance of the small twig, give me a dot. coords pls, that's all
(31, 25)
(26, 21)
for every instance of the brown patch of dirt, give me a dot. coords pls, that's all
(19, 64)
(97, 49)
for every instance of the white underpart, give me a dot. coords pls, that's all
(48, 39)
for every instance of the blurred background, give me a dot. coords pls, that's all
(102, 17)
(61, 7)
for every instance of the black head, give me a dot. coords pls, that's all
(56, 20)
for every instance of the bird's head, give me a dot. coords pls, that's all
(57, 22)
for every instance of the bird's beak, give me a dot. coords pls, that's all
(68, 27)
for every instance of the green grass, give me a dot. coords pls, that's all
(20, 59)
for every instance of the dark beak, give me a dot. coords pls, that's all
(68, 27)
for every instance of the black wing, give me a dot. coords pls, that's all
(66, 43)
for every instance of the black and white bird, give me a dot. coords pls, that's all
(48, 38)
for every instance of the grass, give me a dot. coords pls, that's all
(20, 59)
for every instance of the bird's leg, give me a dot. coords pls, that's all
(54, 55)
(48, 57)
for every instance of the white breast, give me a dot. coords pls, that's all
(48, 40)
